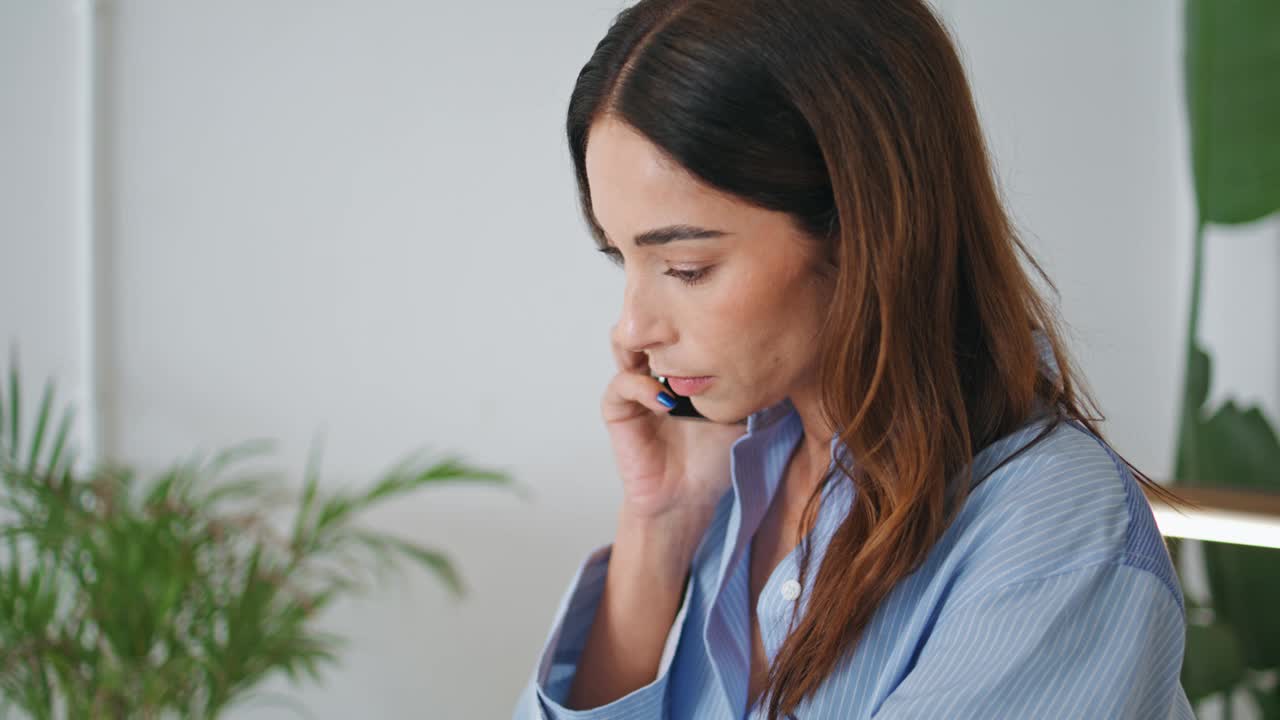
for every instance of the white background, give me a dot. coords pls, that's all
(358, 220)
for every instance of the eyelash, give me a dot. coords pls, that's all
(688, 277)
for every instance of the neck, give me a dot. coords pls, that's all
(813, 455)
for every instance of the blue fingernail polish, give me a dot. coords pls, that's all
(666, 399)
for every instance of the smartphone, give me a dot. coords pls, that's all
(684, 406)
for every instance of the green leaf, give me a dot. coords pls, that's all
(60, 441)
(1237, 448)
(429, 559)
(255, 487)
(1233, 102)
(42, 422)
(1211, 662)
(1240, 449)
(1268, 702)
(173, 595)
(302, 524)
(1187, 464)
(406, 476)
(436, 562)
(236, 453)
(1244, 582)
(15, 410)
(1198, 376)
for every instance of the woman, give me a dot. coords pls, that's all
(800, 197)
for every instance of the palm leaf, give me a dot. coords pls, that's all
(138, 596)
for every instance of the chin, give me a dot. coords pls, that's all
(725, 418)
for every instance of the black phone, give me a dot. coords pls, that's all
(684, 406)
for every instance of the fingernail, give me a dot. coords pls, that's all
(667, 400)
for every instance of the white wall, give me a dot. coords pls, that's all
(360, 219)
(1083, 104)
(39, 155)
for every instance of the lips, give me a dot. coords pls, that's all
(689, 385)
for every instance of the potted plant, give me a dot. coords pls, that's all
(178, 594)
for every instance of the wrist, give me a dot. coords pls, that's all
(657, 550)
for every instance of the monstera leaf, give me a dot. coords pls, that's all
(1233, 105)
(1237, 448)
(1222, 669)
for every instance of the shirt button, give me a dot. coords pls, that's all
(791, 589)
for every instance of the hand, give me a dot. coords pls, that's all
(673, 469)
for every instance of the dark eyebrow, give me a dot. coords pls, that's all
(672, 233)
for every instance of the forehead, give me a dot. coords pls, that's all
(634, 186)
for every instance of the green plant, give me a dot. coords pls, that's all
(1233, 103)
(122, 597)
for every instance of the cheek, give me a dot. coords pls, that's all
(748, 323)
(733, 316)
(754, 304)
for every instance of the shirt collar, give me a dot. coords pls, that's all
(761, 419)
(764, 419)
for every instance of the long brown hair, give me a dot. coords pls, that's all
(855, 117)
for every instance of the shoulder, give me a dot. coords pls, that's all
(1065, 503)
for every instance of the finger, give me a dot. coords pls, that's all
(627, 360)
(630, 395)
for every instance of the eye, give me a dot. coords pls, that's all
(689, 277)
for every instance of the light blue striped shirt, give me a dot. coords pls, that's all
(1051, 595)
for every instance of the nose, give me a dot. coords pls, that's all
(641, 326)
